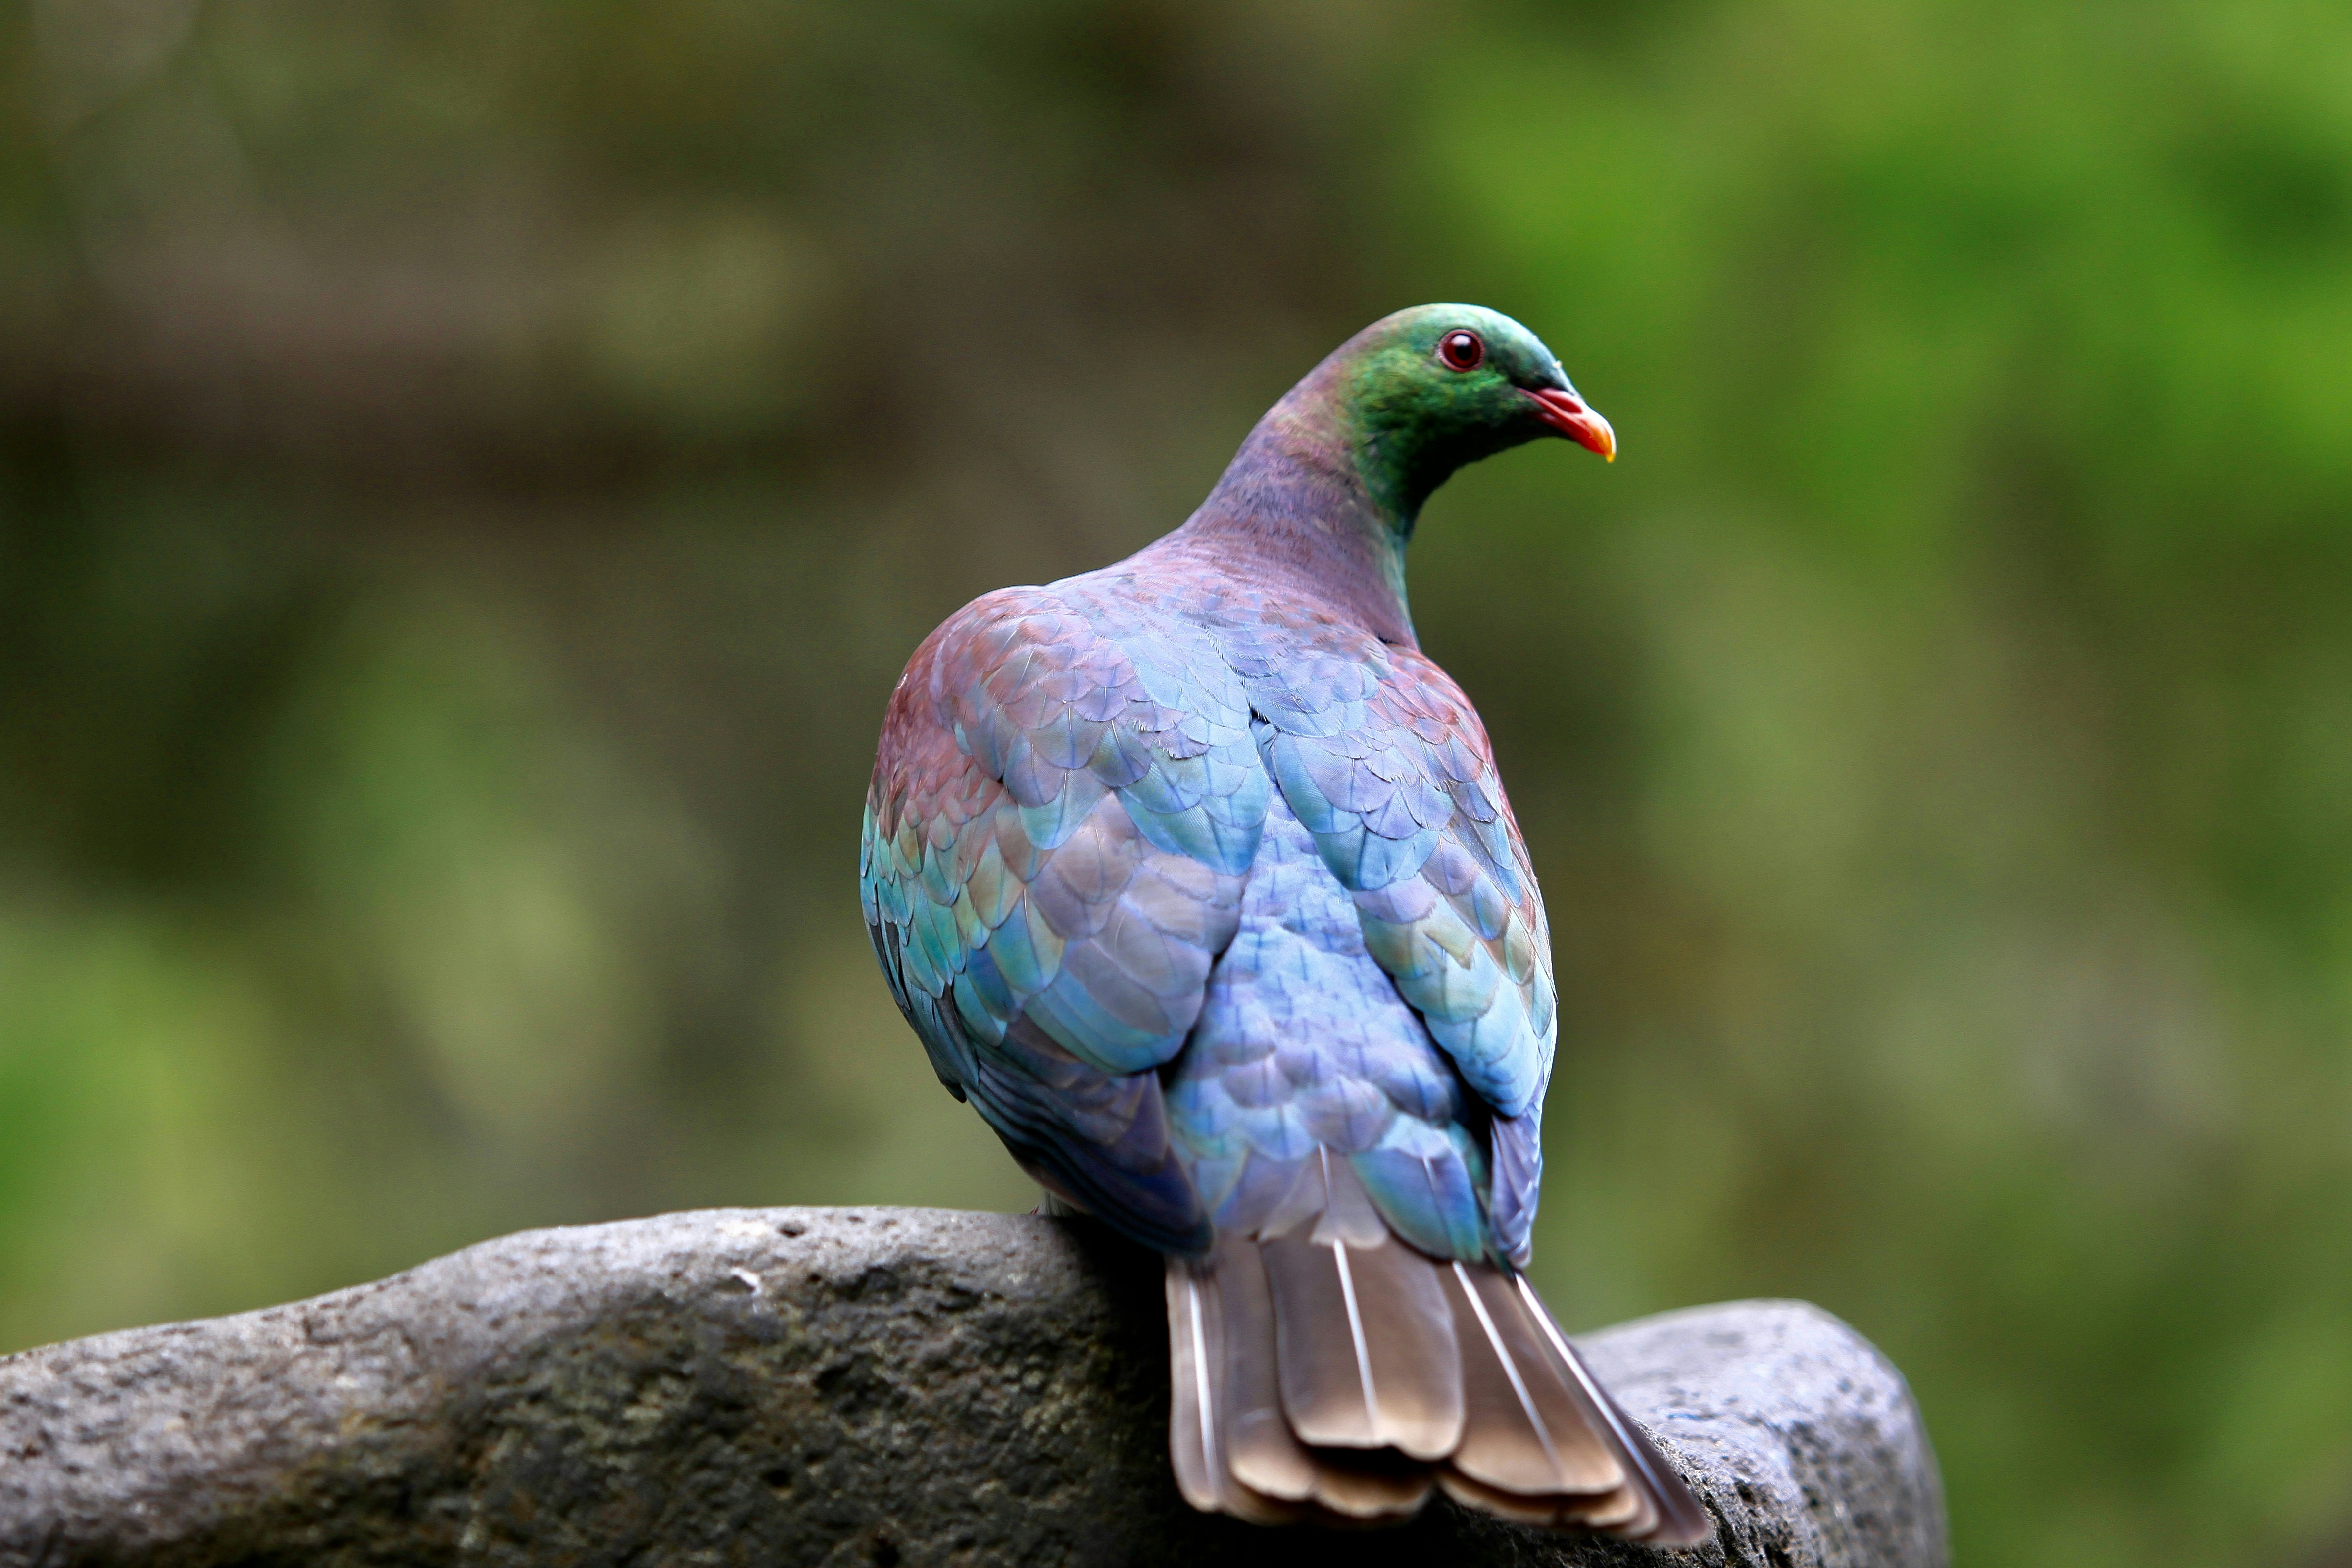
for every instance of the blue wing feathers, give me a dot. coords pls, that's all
(1096, 833)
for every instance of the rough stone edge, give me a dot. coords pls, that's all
(1789, 1481)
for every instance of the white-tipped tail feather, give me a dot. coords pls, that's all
(1336, 1373)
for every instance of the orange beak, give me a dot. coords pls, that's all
(1566, 413)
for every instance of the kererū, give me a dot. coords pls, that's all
(1195, 878)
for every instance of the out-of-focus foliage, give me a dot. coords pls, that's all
(469, 475)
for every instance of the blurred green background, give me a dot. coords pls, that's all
(470, 473)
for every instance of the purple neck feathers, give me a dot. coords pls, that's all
(1292, 511)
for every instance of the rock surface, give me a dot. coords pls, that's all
(834, 1386)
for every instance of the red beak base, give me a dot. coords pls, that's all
(1566, 413)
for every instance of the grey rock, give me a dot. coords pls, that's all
(834, 1386)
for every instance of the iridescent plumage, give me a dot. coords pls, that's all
(1196, 878)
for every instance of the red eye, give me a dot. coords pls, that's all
(1462, 350)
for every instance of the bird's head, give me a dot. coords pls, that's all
(1329, 484)
(1429, 389)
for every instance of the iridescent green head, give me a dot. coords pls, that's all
(1325, 490)
(1422, 392)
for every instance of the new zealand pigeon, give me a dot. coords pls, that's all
(1194, 877)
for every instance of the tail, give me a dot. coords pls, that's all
(1336, 1374)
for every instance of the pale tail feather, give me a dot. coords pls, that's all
(1201, 1427)
(1192, 1446)
(1262, 1452)
(1681, 1521)
(1321, 1374)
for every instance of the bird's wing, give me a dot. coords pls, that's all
(1387, 764)
(1061, 816)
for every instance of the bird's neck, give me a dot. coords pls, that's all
(1308, 505)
